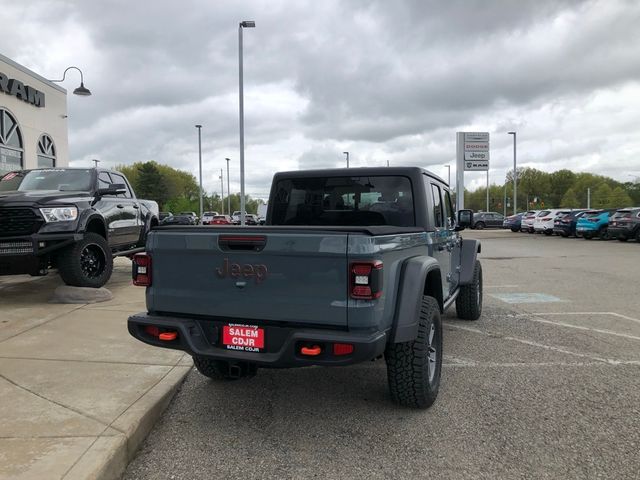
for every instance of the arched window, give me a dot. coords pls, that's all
(46, 152)
(11, 148)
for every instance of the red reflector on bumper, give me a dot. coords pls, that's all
(342, 348)
(152, 330)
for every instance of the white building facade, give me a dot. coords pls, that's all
(33, 120)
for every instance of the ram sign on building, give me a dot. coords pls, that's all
(33, 120)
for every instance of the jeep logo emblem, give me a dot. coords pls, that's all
(259, 271)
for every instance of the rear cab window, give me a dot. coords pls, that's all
(344, 201)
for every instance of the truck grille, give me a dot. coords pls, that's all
(15, 248)
(18, 221)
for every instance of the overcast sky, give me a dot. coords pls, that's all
(386, 81)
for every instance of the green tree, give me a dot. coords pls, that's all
(601, 196)
(151, 184)
(569, 200)
(619, 198)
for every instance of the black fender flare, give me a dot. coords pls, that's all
(89, 215)
(413, 278)
(469, 251)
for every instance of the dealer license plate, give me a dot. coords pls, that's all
(246, 338)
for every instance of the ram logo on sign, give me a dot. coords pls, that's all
(16, 88)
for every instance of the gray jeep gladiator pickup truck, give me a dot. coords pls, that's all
(352, 265)
(72, 219)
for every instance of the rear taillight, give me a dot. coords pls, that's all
(141, 270)
(365, 280)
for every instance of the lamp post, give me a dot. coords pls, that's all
(228, 189)
(241, 25)
(199, 127)
(448, 174)
(515, 176)
(96, 162)
(222, 189)
(487, 190)
(347, 154)
(81, 90)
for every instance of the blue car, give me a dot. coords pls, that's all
(594, 223)
(513, 222)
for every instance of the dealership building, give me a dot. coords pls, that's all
(33, 120)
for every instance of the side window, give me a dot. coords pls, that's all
(450, 216)
(437, 206)
(120, 179)
(104, 180)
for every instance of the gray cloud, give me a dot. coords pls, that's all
(386, 81)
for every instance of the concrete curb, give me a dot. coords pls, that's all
(109, 455)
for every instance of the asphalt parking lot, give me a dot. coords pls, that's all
(545, 385)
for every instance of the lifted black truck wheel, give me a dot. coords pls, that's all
(221, 370)
(414, 368)
(87, 263)
(469, 301)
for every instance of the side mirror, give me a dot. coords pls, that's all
(113, 189)
(465, 217)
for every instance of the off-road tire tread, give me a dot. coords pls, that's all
(407, 362)
(467, 307)
(68, 262)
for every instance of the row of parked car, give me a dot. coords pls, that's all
(622, 224)
(208, 218)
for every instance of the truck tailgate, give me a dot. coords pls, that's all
(231, 274)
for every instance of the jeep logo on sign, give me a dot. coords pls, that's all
(259, 271)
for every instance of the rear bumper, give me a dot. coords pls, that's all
(282, 344)
(623, 232)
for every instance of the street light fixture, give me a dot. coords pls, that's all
(515, 176)
(228, 189)
(81, 90)
(241, 25)
(199, 127)
(347, 154)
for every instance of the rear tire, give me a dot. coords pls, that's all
(548, 233)
(469, 301)
(603, 234)
(87, 263)
(414, 368)
(479, 226)
(622, 239)
(514, 230)
(219, 369)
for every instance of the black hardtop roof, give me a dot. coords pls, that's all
(359, 172)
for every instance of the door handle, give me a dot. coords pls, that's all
(120, 205)
(136, 206)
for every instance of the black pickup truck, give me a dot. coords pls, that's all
(352, 265)
(71, 219)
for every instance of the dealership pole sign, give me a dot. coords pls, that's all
(472, 155)
(16, 88)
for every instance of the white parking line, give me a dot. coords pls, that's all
(587, 313)
(576, 327)
(533, 364)
(531, 343)
(501, 286)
